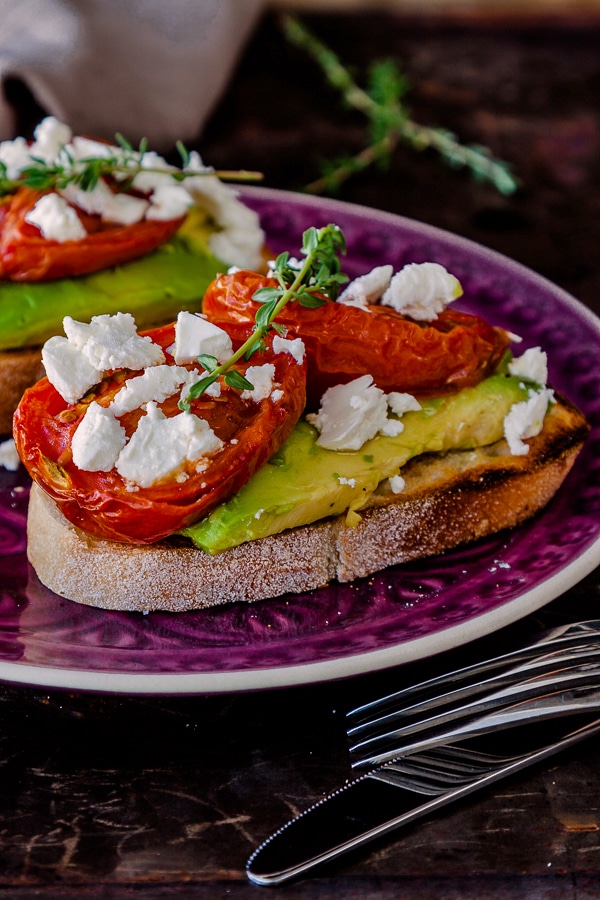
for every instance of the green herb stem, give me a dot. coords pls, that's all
(387, 113)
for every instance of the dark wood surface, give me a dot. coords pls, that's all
(157, 798)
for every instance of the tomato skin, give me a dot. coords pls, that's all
(25, 255)
(100, 503)
(342, 342)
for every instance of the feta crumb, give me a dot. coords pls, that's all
(397, 484)
(241, 239)
(68, 371)
(422, 291)
(56, 220)
(402, 403)
(169, 201)
(531, 366)
(294, 347)
(258, 513)
(276, 396)
(9, 458)
(367, 288)
(195, 336)
(98, 440)
(51, 136)
(526, 419)
(119, 209)
(351, 482)
(15, 155)
(392, 428)
(213, 390)
(156, 384)
(161, 446)
(112, 342)
(262, 379)
(350, 414)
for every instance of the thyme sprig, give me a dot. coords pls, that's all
(308, 283)
(390, 124)
(122, 166)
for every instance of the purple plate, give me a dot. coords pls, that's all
(402, 614)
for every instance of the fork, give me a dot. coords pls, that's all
(537, 709)
(382, 739)
(373, 717)
(470, 680)
(451, 766)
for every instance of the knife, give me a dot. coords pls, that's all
(374, 805)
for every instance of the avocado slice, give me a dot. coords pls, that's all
(153, 288)
(303, 482)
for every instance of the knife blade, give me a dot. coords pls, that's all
(371, 806)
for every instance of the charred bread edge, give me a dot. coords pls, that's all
(447, 501)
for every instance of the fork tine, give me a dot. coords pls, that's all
(385, 742)
(397, 707)
(538, 709)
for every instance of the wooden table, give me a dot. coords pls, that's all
(124, 797)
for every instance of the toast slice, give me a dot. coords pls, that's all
(447, 501)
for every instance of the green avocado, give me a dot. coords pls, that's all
(153, 289)
(303, 482)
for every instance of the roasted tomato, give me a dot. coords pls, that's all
(25, 255)
(342, 342)
(103, 503)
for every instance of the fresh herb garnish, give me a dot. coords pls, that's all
(309, 283)
(121, 165)
(389, 121)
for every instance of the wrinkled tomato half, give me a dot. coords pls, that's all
(102, 503)
(342, 342)
(25, 255)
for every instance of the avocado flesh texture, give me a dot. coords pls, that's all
(153, 289)
(303, 483)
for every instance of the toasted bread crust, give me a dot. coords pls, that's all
(19, 369)
(447, 501)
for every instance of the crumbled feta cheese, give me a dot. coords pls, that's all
(67, 369)
(531, 366)
(161, 446)
(392, 428)
(351, 482)
(9, 458)
(112, 342)
(155, 385)
(422, 291)
(56, 220)
(98, 440)
(119, 209)
(276, 396)
(195, 336)
(294, 347)
(367, 288)
(261, 377)
(50, 138)
(149, 178)
(397, 484)
(402, 403)
(213, 390)
(350, 414)
(169, 201)
(16, 155)
(526, 419)
(240, 241)
(85, 148)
